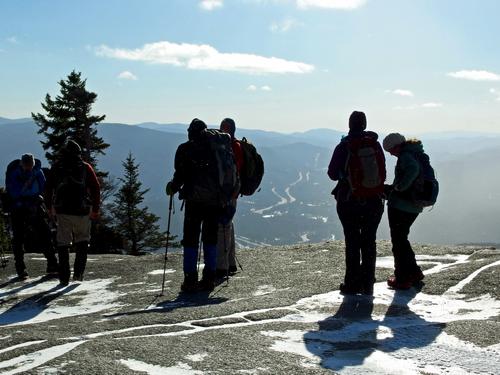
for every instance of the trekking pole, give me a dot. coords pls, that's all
(170, 206)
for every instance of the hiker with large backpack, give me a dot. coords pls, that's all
(25, 184)
(206, 178)
(358, 164)
(73, 196)
(414, 187)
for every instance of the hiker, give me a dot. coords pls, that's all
(204, 169)
(226, 243)
(25, 184)
(358, 164)
(73, 196)
(403, 208)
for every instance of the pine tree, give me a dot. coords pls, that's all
(136, 225)
(69, 116)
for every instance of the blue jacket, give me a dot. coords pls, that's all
(23, 186)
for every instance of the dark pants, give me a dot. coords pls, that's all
(204, 219)
(360, 219)
(404, 258)
(81, 249)
(31, 218)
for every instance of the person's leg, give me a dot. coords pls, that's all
(82, 227)
(232, 250)
(18, 224)
(222, 250)
(404, 258)
(190, 242)
(349, 217)
(42, 229)
(64, 241)
(209, 236)
(373, 211)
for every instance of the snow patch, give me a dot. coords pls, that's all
(160, 272)
(179, 369)
(197, 357)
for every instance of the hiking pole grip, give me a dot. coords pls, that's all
(167, 243)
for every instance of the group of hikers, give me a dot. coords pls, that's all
(211, 170)
(37, 198)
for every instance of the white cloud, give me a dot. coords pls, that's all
(284, 26)
(127, 75)
(252, 88)
(475, 75)
(432, 105)
(266, 88)
(262, 88)
(401, 92)
(205, 57)
(211, 4)
(331, 4)
(12, 40)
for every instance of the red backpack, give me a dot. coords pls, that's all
(365, 167)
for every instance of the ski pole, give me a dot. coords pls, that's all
(170, 205)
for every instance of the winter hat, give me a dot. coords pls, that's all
(72, 148)
(28, 159)
(357, 121)
(195, 128)
(392, 140)
(228, 126)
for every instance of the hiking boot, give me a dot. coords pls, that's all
(394, 283)
(78, 277)
(417, 276)
(23, 275)
(367, 290)
(207, 283)
(190, 283)
(233, 270)
(52, 270)
(220, 273)
(349, 289)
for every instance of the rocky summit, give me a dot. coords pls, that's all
(281, 314)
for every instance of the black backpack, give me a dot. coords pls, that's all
(426, 186)
(70, 189)
(253, 168)
(215, 177)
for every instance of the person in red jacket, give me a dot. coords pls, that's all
(73, 195)
(226, 243)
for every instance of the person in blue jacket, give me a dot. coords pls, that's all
(25, 184)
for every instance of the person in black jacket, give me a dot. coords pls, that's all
(195, 168)
(360, 214)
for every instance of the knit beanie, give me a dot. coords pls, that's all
(392, 140)
(195, 128)
(357, 122)
(228, 126)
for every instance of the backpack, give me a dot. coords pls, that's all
(253, 168)
(426, 186)
(7, 201)
(225, 173)
(70, 189)
(365, 167)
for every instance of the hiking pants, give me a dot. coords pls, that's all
(226, 247)
(360, 220)
(404, 258)
(23, 219)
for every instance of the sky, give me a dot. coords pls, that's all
(413, 66)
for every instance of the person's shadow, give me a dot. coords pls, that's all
(350, 336)
(33, 306)
(24, 286)
(182, 300)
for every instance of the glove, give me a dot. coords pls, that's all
(169, 189)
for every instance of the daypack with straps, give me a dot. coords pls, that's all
(252, 170)
(70, 188)
(218, 179)
(365, 167)
(426, 186)
(13, 166)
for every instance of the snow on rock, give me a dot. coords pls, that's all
(197, 357)
(49, 301)
(179, 369)
(160, 272)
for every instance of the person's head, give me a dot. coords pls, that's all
(228, 126)
(195, 129)
(27, 162)
(357, 122)
(393, 142)
(71, 149)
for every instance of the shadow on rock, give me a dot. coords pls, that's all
(33, 306)
(349, 337)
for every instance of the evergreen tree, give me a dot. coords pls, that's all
(69, 116)
(138, 227)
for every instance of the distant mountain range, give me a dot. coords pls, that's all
(294, 203)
